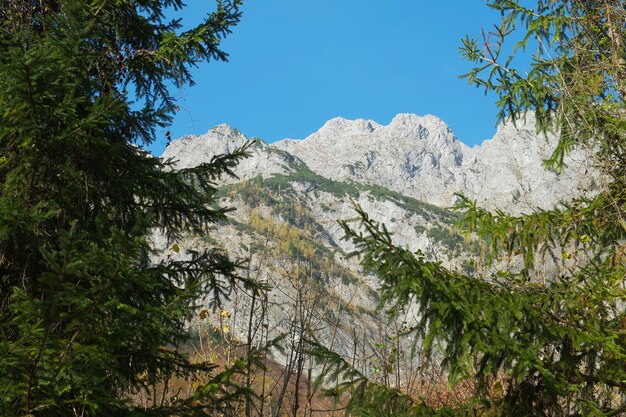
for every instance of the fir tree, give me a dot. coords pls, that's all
(87, 321)
(533, 348)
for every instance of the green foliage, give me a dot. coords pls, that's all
(559, 346)
(444, 235)
(576, 83)
(87, 320)
(468, 266)
(356, 167)
(551, 341)
(303, 174)
(419, 229)
(297, 240)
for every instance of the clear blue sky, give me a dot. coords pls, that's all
(296, 63)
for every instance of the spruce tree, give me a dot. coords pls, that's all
(532, 348)
(87, 320)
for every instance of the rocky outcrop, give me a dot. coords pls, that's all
(507, 172)
(265, 160)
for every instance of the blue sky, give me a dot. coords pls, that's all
(296, 63)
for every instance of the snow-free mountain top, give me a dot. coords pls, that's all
(418, 156)
(190, 151)
(410, 154)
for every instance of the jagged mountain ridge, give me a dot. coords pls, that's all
(418, 156)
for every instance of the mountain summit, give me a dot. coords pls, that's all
(418, 156)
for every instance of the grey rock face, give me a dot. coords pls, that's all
(418, 156)
(421, 157)
(413, 155)
(507, 172)
(190, 151)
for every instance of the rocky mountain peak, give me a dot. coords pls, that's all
(223, 130)
(413, 127)
(418, 156)
(409, 148)
(412, 120)
(192, 150)
(346, 126)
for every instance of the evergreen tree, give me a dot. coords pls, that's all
(87, 321)
(533, 348)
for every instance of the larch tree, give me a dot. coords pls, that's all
(555, 348)
(87, 320)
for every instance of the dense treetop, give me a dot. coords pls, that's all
(87, 321)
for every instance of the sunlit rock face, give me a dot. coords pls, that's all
(193, 150)
(421, 157)
(413, 155)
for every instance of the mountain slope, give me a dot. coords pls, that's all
(289, 196)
